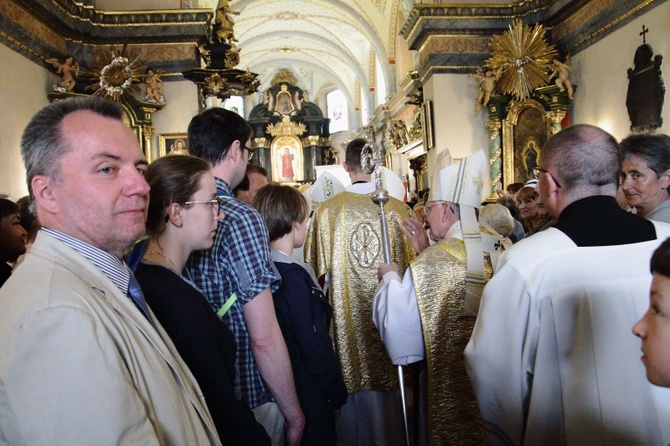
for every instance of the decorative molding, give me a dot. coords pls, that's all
(286, 128)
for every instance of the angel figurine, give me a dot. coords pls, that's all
(68, 70)
(153, 91)
(487, 84)
(562, 72)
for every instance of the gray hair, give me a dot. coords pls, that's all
(497, 217)
(584, 158)
(43, 143)
(653, 149)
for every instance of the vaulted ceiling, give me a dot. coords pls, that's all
(327, 44)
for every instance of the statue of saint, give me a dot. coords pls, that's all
(224, 23)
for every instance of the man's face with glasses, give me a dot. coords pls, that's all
(437, 219)
(249, 150)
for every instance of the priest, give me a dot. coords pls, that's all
(551, 358)
(344, 244)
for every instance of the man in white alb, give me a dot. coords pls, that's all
(551, 357)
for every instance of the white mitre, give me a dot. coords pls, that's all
(392, 183)
(324, 188)
(463, 183)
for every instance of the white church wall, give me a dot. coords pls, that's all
(181, 107)
(23, 88)
(600, 72)
(456, 124)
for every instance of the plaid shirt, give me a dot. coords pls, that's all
(239, 263)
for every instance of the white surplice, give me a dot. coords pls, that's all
(552, 358)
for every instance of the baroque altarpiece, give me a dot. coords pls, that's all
(291, 135)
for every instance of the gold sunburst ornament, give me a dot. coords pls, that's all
(524, 57)
(115, 74)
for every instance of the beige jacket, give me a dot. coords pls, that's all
(79, 363)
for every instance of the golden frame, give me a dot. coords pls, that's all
(510, 132)
(168, 143)
(287, 145)
(427, 124)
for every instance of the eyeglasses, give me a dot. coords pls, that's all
(558, 185)
(427, 208)
(251, 152)
(215, 203)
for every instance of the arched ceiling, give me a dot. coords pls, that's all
(327, 44)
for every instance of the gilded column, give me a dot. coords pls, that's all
(148, 135)
(556, 117)
(495, 152)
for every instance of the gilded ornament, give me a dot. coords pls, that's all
(524, 57)
(116, 73)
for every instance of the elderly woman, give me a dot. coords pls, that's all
(645, 175)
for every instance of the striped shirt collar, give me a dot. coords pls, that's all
(111, 265)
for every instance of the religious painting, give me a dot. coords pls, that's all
(525, 130)
(172, 144)
(287, 160)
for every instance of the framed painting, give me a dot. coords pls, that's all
(287, 160)
(172, 143)
(525, 131)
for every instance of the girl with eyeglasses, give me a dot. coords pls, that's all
(183, 216)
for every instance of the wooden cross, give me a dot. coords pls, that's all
(645, 30)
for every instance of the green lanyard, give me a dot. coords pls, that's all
(233, 297)
(226, 306)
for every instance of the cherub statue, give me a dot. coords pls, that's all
(224, 22)
(153, 90)
(562, 72)
(68, 70)
(487, 84)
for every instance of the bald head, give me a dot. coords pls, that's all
(585, 158)
(582, 161)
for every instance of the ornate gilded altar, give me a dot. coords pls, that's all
(291, 134)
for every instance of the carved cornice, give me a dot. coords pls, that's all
(83, 23)
(461, 12)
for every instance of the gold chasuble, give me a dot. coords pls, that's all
(344, 240)
(439, 283)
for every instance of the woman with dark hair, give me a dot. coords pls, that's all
(304, 315)
(183, 214)
(645, 175)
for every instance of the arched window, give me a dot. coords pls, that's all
(364, 108)
(337, 111)
(380, 87)
(235, 104)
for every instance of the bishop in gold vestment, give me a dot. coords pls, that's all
(428, 312)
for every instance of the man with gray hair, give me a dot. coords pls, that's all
(82, 359)
(551, 357)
